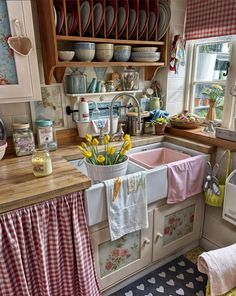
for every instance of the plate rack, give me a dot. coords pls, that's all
(64, 22)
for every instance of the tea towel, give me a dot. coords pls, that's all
(126, 204)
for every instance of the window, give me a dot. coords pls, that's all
(210, 63)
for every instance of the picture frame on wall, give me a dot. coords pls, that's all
(51, 107)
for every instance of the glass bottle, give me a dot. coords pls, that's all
(41, 162)
(110, 86)
(46, 134)
(23, 139)
(130, 78)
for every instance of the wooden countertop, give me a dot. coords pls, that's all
(19, 187)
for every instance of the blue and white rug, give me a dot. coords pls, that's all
(178, 277)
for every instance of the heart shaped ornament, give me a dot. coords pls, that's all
(20, 44)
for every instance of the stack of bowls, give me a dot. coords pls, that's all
(84, 51)
(3, 146)
(122, 53)
(104, 52)
(145, 54)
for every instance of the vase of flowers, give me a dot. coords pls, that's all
(214, 94)
(159, 124)
(107, 164)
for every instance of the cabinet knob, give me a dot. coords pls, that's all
(146, 241)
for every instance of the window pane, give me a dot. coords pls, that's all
(212, 61)
(201, 101)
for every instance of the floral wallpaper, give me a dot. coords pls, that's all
(114, 255)
(51, 106)
(178, 224)
(8, 73)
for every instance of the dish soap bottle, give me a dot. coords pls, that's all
(83, 110)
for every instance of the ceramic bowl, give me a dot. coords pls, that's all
(122, 53)
(145, 56)
(3, 146)
(66, 55)
(144, 49)
(104, 52)
(84, 51)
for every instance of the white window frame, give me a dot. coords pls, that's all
(229, 100)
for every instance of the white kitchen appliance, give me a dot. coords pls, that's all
(229, 208)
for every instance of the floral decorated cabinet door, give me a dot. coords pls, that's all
(175, 226)
(19, 76)
(119, 259)
(8, 73)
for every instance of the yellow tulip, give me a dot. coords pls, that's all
(88, 138)
(127, 145)
(106, 139)
(126, 137)
(123, 151)
(84, 145)
(217, 86)
(87, 154)
(80, 148)
(111, 150)
(100, 158)
(95, 142)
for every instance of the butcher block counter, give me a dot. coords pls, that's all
(19, 187)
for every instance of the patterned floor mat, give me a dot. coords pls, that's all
(178, 277)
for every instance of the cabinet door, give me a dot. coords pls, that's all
(175, 226)
(115, 260)
(19, 76)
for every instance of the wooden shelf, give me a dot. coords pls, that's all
(108, 64)
(50, 41)
(105, 40)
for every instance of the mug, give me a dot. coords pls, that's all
(156, 103)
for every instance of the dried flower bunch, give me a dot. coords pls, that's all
(109, 156)
(160, 120)
(214, 92)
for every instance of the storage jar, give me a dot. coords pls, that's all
(76, 82)
(46, 134)
(130, 78)
(23, 139)
(41, 162)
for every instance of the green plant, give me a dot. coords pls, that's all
(159, 120)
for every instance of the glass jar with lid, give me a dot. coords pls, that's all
(130, 78)
(23, 139)
(110, 86)
(46, 134)
(41, 162)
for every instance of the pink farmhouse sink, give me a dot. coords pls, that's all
(155, 157)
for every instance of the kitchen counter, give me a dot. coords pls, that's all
(19, 187)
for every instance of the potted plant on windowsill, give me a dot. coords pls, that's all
(107, 164)
(159, 124)
(214, 94)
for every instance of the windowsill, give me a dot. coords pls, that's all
(198, 135)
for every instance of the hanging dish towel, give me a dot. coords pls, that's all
(100, 123)
(220, 266)
(126, 204)
(185, 178)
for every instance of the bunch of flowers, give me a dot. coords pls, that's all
(109, 156)
(160, 120)
(214, 92)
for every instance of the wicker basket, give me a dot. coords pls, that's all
(185, 124)
(160, 128)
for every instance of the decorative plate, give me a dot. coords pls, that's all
(122, 18)
(133, 17)
(85, 11)
(164, 18)
(153, 18)
(98, 11)
(111, 16)
(143, 18)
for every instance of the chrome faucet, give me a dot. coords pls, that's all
(111, 112)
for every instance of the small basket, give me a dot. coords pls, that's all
(185, 124)
(160, 128)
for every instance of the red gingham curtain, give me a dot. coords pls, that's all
(210, 18)
(45, 250)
